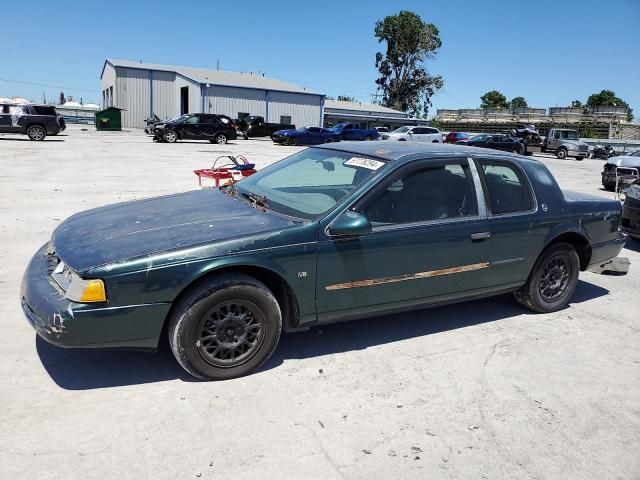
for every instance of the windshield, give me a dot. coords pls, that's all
(309, 183)
(179, 119)
(301, 129)
(401, 130)
(570, 135)
(478, 138)
(636, 154)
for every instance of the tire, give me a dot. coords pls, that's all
(579, 158)
(36, 133)
(561, 153)
(213, 310)
(170, 136)
(221, 139)
(402, 139)
(328, 140)
(520, 150)
(539, 293)
(292, 141)
(368, 138)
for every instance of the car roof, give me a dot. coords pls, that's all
(408, 151)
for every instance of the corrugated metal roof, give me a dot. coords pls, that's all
(360, 107)
(218, 77)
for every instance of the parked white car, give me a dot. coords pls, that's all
(414, 134)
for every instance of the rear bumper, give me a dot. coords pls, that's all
(76, 325)
(604, 257)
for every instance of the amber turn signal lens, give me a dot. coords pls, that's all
(94, 291)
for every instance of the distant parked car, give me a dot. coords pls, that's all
(495, 142)
(350, 131)
(305, 136)
(454, 137)
(630, 223)
(196, 126)
(35, 121)
(414, 134)
(622, 166)
(255, 126)
(382, 130)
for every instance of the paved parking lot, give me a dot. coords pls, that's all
(477, 390)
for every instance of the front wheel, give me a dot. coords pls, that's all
(561, 153)
(368, 138)
(221, 139)
(170, 136)
(520, 150)
(36, 132)
(292, 141)
(225, 327)
(552, 281)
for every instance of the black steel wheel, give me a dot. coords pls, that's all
(225, 327)
(553, 279)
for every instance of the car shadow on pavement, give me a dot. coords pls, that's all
(91, 369)
(28, 140)
(361, 334)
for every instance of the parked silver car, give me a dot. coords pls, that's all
(414, 134)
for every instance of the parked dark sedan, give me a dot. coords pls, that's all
(496, 142)
(331, 233)
(305, 136)
(196, 126)
(631, 211)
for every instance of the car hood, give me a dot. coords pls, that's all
(624, 161)
(577, 143)
(124, 231)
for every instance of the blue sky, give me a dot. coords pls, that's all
(564, 50)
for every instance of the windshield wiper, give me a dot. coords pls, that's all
(255, 199)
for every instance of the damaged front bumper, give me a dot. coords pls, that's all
(79, 325)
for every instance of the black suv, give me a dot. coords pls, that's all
(196, 126)
(35, 121)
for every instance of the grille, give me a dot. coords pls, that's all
(52, 263)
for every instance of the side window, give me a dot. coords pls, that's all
(193, 119)
(314, 130)
(285, 120)
(242, 115)
(430, 130)
(556, 135)
(419, 130)
(4, 109)
(507, 188)
(44, 110)
(438, 192)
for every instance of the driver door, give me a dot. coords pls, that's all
(429, 242)
(190, 127)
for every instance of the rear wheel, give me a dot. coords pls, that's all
(221, 139)
(368, 138)
(561, 153)
(293, 141)
(552, 281)
(36, 132)
(225, 327)
(328, 140)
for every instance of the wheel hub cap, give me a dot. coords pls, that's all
(554, 279)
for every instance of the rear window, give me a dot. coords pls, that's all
(507, 188)
(44, 110)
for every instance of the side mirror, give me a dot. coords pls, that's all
(350, 223)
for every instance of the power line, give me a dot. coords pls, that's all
(49, 86)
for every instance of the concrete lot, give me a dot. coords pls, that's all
(478, 390)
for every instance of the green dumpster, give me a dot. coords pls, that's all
(109, 119)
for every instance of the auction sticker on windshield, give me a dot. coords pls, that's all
(364, 163)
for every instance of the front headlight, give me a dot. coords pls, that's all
(159, 126)
(78, 289)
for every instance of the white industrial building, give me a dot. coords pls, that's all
(367, 115)
(142, 89)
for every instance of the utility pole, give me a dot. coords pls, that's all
(374, 97)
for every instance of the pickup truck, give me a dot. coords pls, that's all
(255, 126)
(565, 143)
(350, 131)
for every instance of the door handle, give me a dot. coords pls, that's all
(476, 237)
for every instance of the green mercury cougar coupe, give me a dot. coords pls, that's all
(328, 234)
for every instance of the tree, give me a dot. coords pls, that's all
(576, 104)
(518, 102)
(62, 100)
(607, 98)
(405, 83)
(494, 99)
